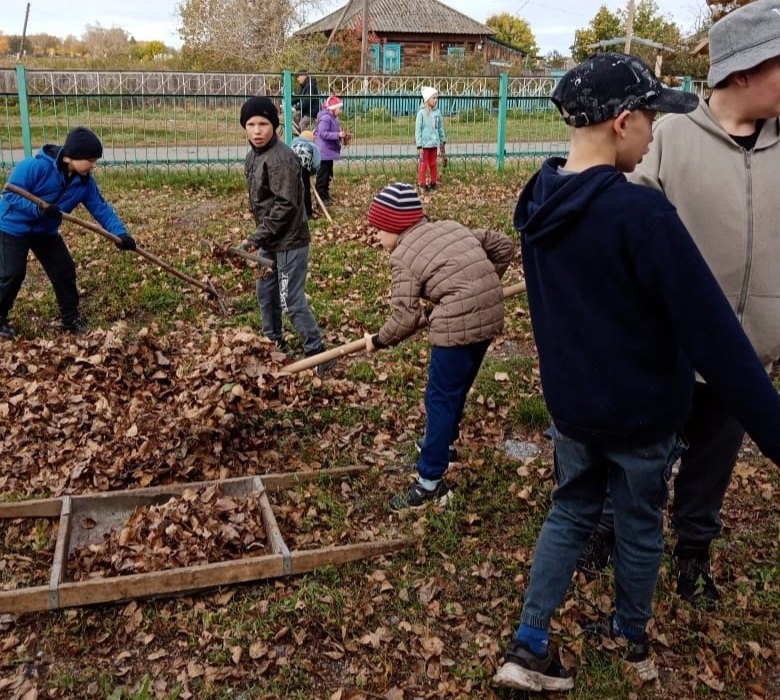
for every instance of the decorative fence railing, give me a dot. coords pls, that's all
(160, 119)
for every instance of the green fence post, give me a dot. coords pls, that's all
(24, 110)
(287, 106)
(503, 94)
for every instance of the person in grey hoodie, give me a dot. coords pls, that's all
(720, 166)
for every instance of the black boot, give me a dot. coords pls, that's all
(324, 367)
(6, 332)
(694, 575)
(597, 553)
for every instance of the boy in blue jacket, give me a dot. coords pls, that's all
(623, 309)
(61, 176)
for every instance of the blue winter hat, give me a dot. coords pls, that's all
(82, 144)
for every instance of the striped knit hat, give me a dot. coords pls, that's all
(395, 208)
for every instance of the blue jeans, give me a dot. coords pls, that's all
(451, 373)
(282, 291)
(638, 479)
(714, 437)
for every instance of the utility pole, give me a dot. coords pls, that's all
(364, 40)
(24, 34)
(629, 26)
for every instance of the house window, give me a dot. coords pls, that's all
(386, 57)
(391, 58)
(456, 54)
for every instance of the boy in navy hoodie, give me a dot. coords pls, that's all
(623, 309)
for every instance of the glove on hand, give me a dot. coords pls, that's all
(126, 242)
(246, 245)
(51, 211)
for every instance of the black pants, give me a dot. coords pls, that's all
(56, 261)
(324, 176)
(306, 177)
(714, 437)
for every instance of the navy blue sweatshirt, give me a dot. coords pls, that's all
(624, 308)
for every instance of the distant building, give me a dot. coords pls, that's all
(412, 32)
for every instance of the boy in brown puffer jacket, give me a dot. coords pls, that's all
(458, 270)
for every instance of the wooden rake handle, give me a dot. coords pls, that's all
(208, 288)
(357, 345)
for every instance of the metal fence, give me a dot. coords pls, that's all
(160, 119)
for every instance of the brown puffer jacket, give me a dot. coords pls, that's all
(459, 271)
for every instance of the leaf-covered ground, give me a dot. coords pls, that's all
(165, 388)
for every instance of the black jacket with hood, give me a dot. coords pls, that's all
(623, 307)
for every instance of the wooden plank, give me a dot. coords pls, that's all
(191, 578)
(276, 544)
(57, 574)
(50, 507)
(279, 482)
(38, 508)
(309, 559)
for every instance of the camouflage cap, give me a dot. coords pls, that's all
(606, 84)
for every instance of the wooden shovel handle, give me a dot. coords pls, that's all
(357, 345)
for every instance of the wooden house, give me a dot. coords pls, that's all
(411, 32)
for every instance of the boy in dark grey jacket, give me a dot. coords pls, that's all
(273, 175)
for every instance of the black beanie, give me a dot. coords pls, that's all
(82, 144)
(259, 107)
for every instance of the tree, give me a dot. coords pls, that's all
(605, 25)
(236, 33)
(555, 60)
(148, 50)
(72, 46)
(106, 43)
(44, 44)
(648, 24)
(514, 31)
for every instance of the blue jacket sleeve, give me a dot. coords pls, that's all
(28, 174)
(102, 211)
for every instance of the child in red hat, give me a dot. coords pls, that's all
(328, 136)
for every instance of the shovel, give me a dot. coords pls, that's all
(322, 205)
(358, 345)
(207, 287)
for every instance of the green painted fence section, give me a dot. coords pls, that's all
(183, 121)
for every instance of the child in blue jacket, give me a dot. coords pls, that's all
(430, 139)
(309, 155)
(61, 176)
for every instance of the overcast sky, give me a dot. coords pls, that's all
(552, 21)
